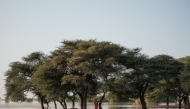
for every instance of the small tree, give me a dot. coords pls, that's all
(18, 77)
(168, 70)
(47, 80)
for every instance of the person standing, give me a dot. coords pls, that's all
(95, 104)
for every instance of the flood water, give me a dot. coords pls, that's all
(36, 105)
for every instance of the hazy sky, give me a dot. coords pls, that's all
(156, 26)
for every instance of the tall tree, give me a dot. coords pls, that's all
(88, 62)
(139, 74)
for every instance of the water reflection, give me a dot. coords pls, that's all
(36, 105)
(123, 107)
(119, 107)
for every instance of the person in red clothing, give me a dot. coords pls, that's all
(95, 104)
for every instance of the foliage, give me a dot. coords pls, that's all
(97, 70)
(18, 77)
(29, 100)
(167, 69)
(185, 74)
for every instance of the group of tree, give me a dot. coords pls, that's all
(83, 69)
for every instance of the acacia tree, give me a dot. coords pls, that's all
(87, 63)
(18, 81)
(185, 80)
(168, 69)
(107, 67)
(34, 60)
(145, 73)
(80, 78)
(47, 79)
(162, 91)
(59, 60)
(139, 76)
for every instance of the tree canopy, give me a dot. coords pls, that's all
(88, 68)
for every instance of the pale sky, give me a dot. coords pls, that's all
(156, 26)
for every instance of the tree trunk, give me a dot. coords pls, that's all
(186, 102)
(42, 102)
(167, 101)
(188, 106)
(73, 100)
(81, 100)
(85, 100)
(143, 103)
(186, 99)
(73, 104)
(142, 90)
(100, 102)
(179, 103)
(157, 103)
(63, 105)
(47, 104)
(55, 104)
